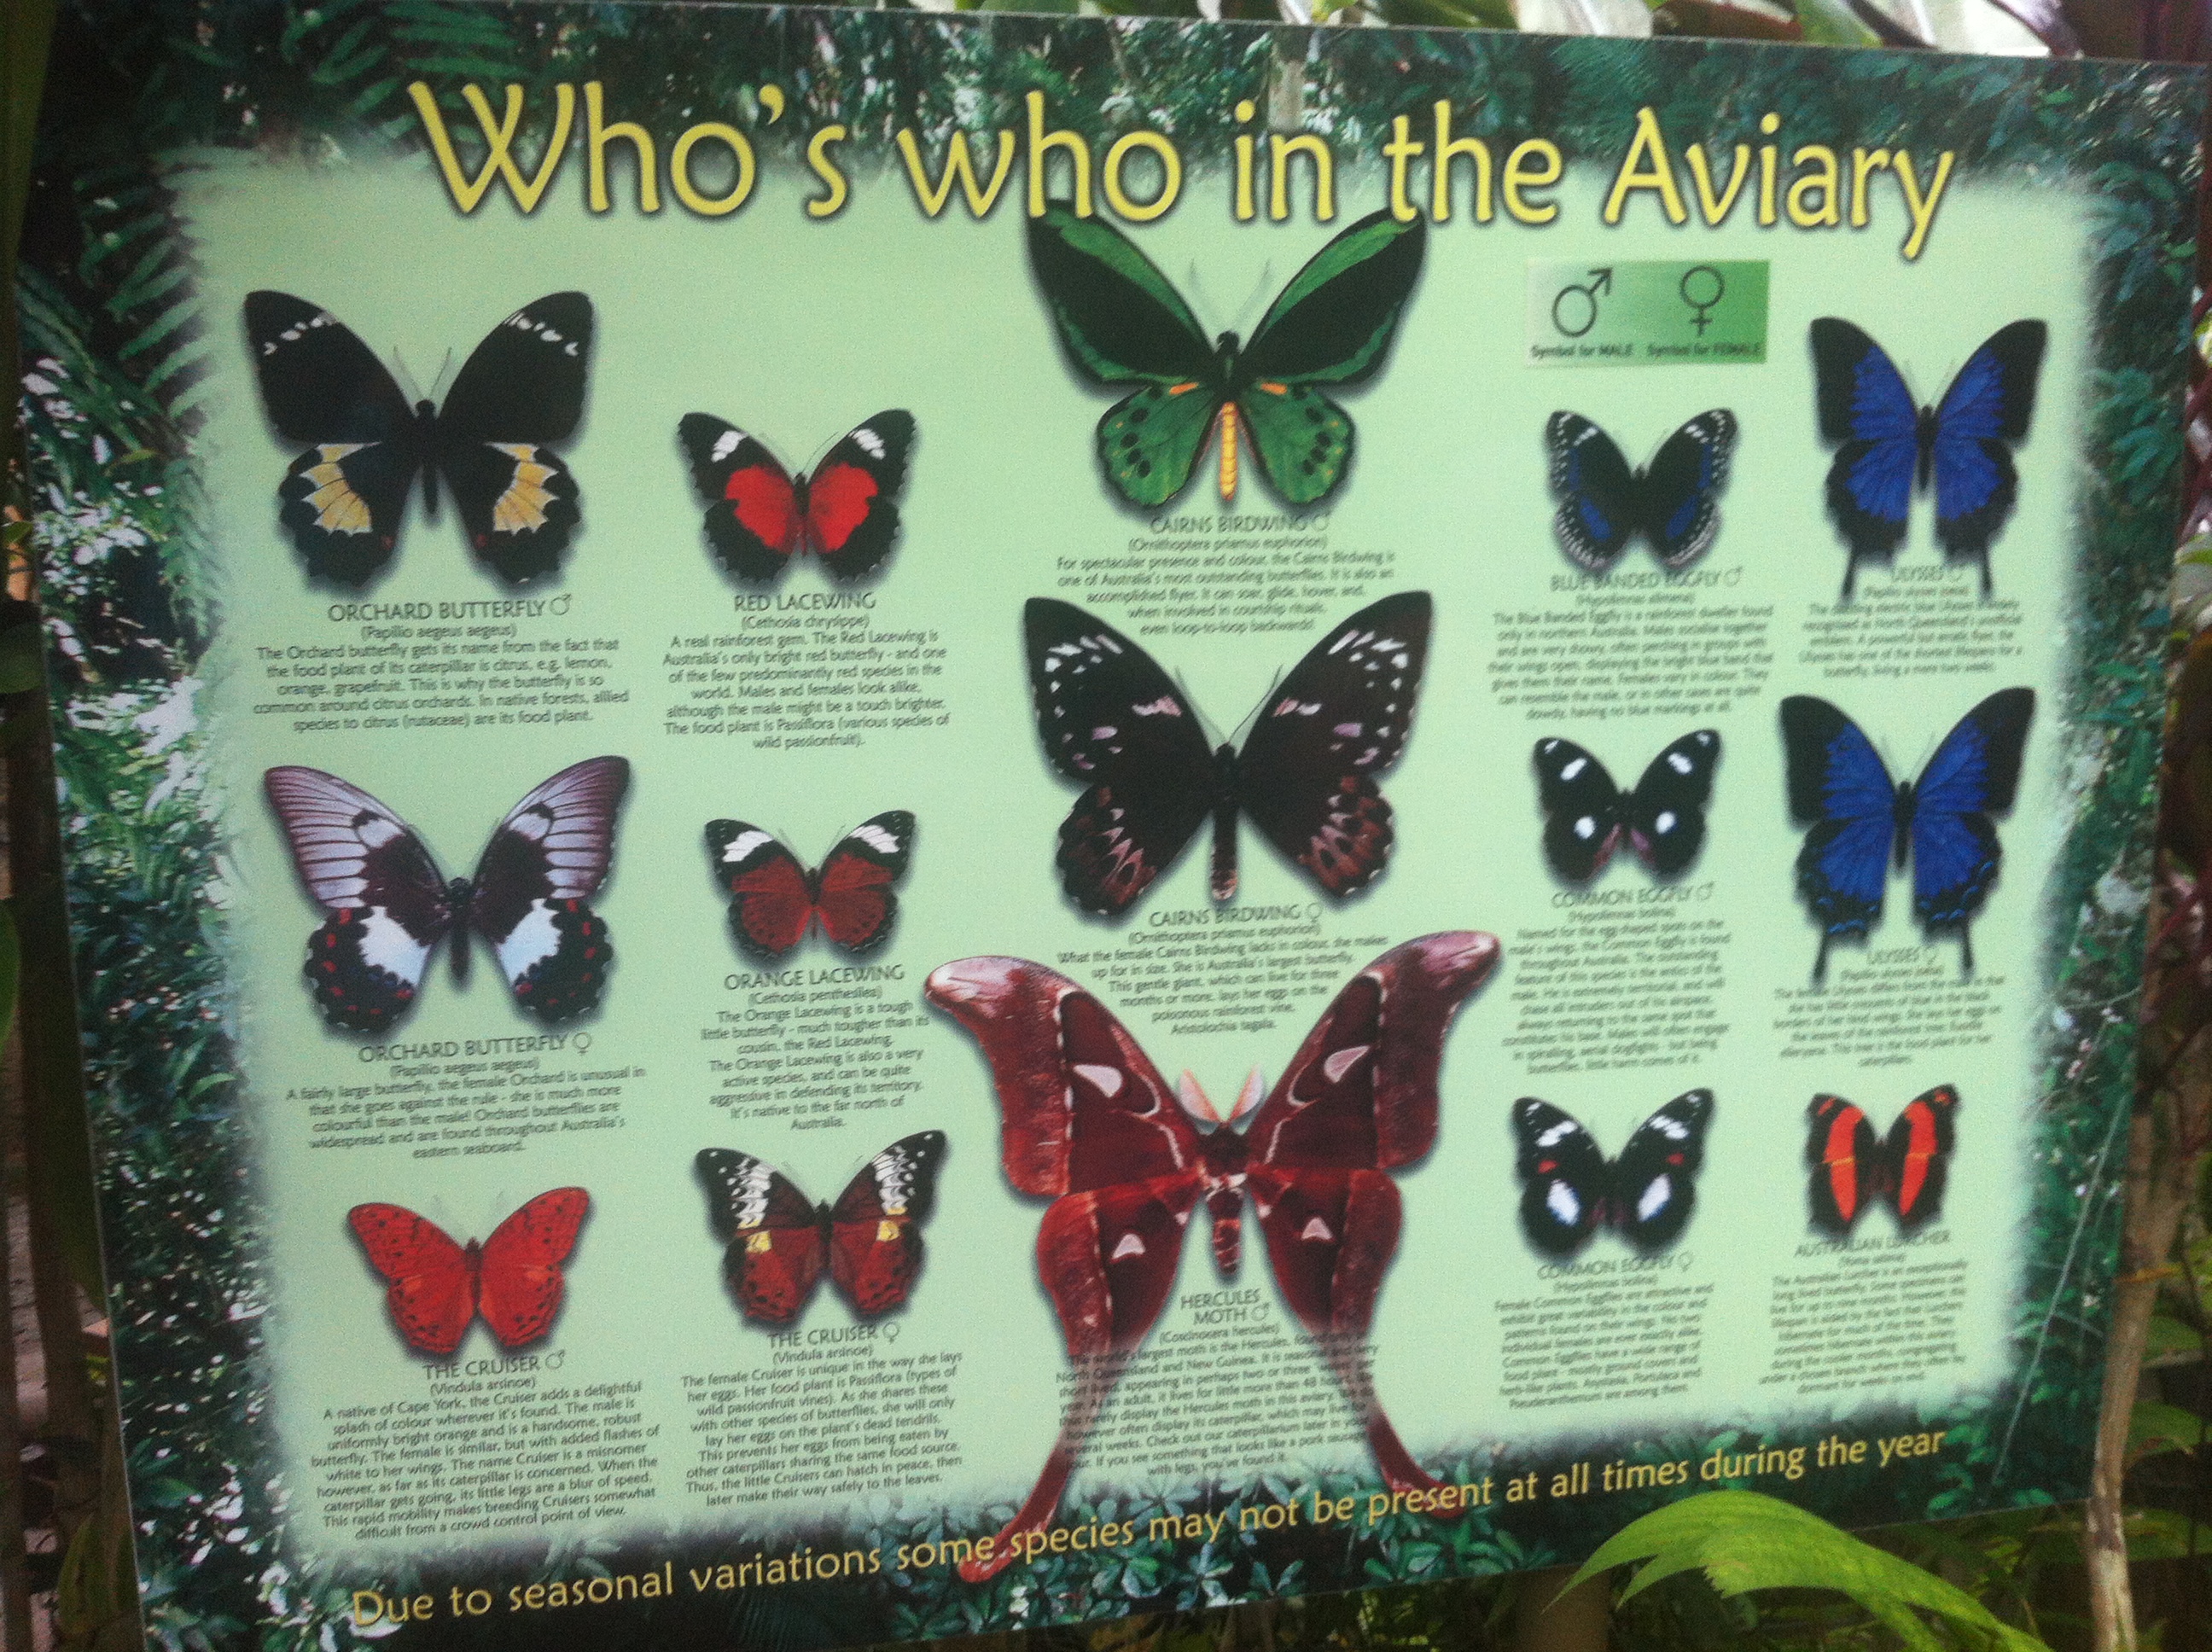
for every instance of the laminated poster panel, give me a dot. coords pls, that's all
(881, 825)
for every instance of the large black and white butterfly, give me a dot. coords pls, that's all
(521, 389)
(1570, 1189)
(1585, 814)
(1604, 502)
(1862, 820)
(1887, 445)
(390, 906)
(1110, 718)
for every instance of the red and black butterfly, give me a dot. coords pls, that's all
(390, 906)
(520, 389)
(1570, 1189)
(1853, 1168)
(1127, 1160)
(778, 1241)
(436, 1287)
(773, 899)
(759, 516)
(1112, 720)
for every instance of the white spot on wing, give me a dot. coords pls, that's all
(1130, 1246)
(1106, 1081)
(1343, 1062)
(1560, 1200)
(744, 844)
(1656, 1198)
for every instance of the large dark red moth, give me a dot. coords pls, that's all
(1127, 1158)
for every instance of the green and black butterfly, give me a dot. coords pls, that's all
(1124, 323)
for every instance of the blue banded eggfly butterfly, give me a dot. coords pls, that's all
(1672, 502)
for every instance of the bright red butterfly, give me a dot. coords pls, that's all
(1089, 1123)
(779, 1240)
(512, 1278)
(1853, 1168)
(773, 899)
(759, 516)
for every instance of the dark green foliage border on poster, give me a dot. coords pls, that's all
(114, 338)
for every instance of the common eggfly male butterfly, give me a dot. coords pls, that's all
(1586, 815)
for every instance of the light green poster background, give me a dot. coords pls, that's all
(797, 330)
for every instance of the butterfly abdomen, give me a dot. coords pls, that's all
(1924, 428)
(425, 442)
(1901, 832)
(1221, 883)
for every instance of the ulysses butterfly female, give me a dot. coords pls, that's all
(1127, 1159)
(1123, 322)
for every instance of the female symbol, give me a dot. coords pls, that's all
(1703, 304)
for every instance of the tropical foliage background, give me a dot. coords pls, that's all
(109, 348)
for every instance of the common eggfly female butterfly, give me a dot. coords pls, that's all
(1570, 1189)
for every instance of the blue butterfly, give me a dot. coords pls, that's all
(1672, 502)
(1889, 446)
(1860, 817)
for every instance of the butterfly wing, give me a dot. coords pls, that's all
(1122, 322)
(853, 899)
(1839, 785)
(875, 1227)
(1982, 414)
(1332, 324)
(430, 1280)
(520, 1284)
(342, 497)
(777, 1240)
(521, 390)
(752, 520)
(852, 498)
(1088, 1120)
(1666, 813)
(1596, 490)
(771, 896)
(1974, 774)
(1306, 776)
(1110, 718)
(1655, 1178)
(1565, 1181)
(1866, 409)
(1918, 1148)
(387, 900)
(1849, 1167)
(1679, 496)
(1583, 808)
(534, 882)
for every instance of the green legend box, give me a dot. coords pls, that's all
(1646, 313)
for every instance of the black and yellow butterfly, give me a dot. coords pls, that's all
(1124, 323)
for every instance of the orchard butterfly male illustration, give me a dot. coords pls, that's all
(1605, 502)
(1861, 819)
(1586, 815)
(1888, 446)
(774, 900)
(759, 516)
(780, 1241)
(436, 1287)
(1853, 1169)
(1127, 1160)
(389, 906)
(1110, 718)
(1570, 1189)
(521, 391)
(1123, 322)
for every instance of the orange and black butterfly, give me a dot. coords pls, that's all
(1853, 1168)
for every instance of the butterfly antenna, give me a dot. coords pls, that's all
(1820, 960)
(1850, 572)
(1966, 949)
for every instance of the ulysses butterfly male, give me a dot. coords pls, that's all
(1127, 1160)
(1123, 322)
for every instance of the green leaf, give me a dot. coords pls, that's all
(1743, 1541)
(1831, 22)
(2172, 1340)
(22, 666)
(2155, 1427)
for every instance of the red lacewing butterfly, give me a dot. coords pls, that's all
(389, 906)
(1570, 1189)
(1127, 1160)
(436, 1287)
(773, 899)
(1853, 1168)
(759, 516)
(778, 1241)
